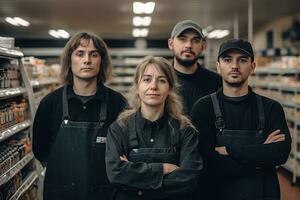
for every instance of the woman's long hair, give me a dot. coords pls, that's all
(173, 103)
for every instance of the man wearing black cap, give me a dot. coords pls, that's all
(244, 136)
(187, 43)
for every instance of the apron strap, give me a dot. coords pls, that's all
(103, 109)
(66, 115)
(174, 129)
(133, 141)
(261, 114)
(219, 123)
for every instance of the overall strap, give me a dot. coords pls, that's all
(174, 132)
(261, 114)
(103, 109)
(219, 123)
(133, 140)
(65, 107)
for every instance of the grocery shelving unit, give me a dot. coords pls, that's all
(279, 78)
(12, 134)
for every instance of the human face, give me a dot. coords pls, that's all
(85, 62)
(235, 68)
(153, 87)
(187, 47)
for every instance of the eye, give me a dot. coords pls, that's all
(244, 60)
(95, 54)
(79, 53)
(181, 38)
(146, 79)
(162, 80)
(196, 40)
(227, 60)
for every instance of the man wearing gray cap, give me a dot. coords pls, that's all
(244, 136)
(187, 43)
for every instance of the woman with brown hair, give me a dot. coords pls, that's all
(151, 150)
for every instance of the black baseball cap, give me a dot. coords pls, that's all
(238, 44)
(184, 25)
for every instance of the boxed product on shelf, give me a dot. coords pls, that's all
(7, 42)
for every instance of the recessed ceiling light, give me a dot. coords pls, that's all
(140, 32)
(60, 33)
(143, 8)
(141, 21)
(17, 21)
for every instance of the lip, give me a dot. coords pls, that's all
(188, 52)
(153, 95)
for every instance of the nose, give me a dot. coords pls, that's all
(188, 44)
(235, 64)
(153, 84)
(87, 59)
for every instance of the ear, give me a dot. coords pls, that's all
(218, 67)
(253, 66)
(171, 43)
(203, 44)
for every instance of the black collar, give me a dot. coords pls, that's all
(100, 95)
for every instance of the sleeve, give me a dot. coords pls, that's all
(136, 175)
(203, 118)
(266, 155)
(41, 132)
(184, 179)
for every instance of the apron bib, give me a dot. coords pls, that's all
(251, 185)
(76, 162)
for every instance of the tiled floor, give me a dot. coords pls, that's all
(288, 191)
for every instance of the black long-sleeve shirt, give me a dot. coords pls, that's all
(49, 114)
(240, 113)
(149, 176)
(199, 84)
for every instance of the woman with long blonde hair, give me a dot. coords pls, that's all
(152, 148)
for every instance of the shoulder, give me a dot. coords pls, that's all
(203, 102)
(209, 72)
(53, 97)
(270, 104)
(116, 96)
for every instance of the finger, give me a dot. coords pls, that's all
(277, 137)
(274, 133)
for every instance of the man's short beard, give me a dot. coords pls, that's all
(186, 63)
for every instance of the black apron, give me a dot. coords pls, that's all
(250, 185)
(76, 162)
(148, 155)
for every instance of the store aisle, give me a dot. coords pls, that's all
(288, 191)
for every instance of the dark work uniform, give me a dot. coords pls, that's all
(69, 135)
(194, 86)
(148, 145)
(249, 171)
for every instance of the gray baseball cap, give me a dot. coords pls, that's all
(184, 25)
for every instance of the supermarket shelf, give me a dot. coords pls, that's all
(8, 132)
(10, 53)
(26, 184)
(42, 82)
(15, 169)
(277, 86)
(276, 70)
(11, 92)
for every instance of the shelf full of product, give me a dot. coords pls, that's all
(278, 77)
(17, 164)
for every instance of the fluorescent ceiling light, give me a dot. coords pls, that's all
(60, 33)
(141, 21)
(17, 21)
(218, 34)
(143, 8)
(140, 32)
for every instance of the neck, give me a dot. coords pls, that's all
(185, 70)
(231, 91)
(152, 113)
(85, 88)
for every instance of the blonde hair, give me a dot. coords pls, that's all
(66, 75)
(173, 105)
